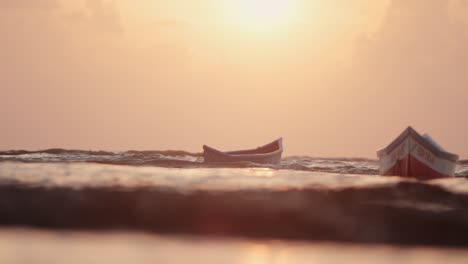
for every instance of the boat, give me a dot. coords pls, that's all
(416, 156)
(267, 154)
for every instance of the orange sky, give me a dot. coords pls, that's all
(333, 77)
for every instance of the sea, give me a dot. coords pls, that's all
(75, 206)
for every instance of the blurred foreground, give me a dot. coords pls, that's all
(50, 247)
(256, 203)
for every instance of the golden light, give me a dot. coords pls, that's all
(258, 254)
(259, 14)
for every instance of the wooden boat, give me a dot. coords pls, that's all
(268, 154)
(413, 155)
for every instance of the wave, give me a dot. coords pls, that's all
(387, 214)
(300, 198)
(98, 152)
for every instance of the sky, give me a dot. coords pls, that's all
(332, 77)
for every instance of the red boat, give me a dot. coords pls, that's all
(413, 155)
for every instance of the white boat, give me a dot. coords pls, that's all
(413, 155)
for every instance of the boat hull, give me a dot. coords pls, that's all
(215, 157)
(414, 157)
(268, 154)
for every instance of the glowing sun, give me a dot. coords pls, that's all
(259, 14)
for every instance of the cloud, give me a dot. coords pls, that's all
(419, 45)
(411, 71)
(105, 15)
(108, 68)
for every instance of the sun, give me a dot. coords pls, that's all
(259, 14)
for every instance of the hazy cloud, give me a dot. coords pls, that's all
(418, 47)
(105, 15)
(410, 72)
(74, 77)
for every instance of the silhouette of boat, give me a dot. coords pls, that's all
(267, 154)
(413, 155)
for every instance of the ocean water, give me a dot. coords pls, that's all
(181, 159)
(309, 206)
